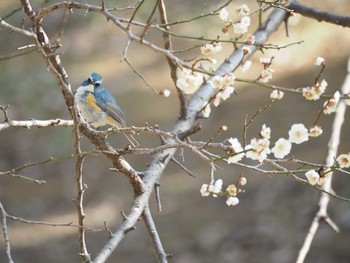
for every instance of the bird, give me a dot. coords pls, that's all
(98, 107)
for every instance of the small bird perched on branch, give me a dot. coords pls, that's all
(98, 107)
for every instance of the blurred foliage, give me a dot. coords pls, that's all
(273, 216)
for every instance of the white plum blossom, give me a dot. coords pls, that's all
(319, 61)
(229, 79)
(166, 93)
(282, 148)
(242, 180)
(245, 21)
(232, 201)
(265, 132)
(315, 131)
(226, 92)
(243, 10)
(266, 74)
(246, 66)
(206, 189)
(236, 148)
(220, 81)
(258, 149)
(344, 160)
(312, 176)
(211, 48)
(331, 105)
(206, 110)
(189, 81)
(223, 14)
(298, 133)
(265, 61)
(276, 94)
(217, 187)
(225, 85)
(315, 92)
(231, 190)
(321, 88)
(239, 28)
(212, 188)
(310, 94)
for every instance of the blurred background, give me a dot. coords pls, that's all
(274, 213)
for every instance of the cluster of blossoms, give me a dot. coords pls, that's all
(266, 73)
(331, 105)
(315, 177)
(215, 189)
(189, 81)
(276, 94)
(240, 27)
(319, 177)
(259, 148)
(211, 48)
(315, 92)
(224, 86)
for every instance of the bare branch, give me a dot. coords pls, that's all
(5, 234)
(153, 233)
(319, 15)
(333, 144)
(172, 63)
(16, 29)
(81, 187)
(36, 123)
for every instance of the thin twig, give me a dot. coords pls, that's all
(183, 167)
(5, 234)
(153, 233)
(172, 63)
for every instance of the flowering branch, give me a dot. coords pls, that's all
(333, 144)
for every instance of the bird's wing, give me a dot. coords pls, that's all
(109, 105)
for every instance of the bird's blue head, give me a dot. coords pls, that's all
(94, 79)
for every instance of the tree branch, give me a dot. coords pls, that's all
(319, 15)
(153, 233)
(5, 234)
(36, 123)
(172, 64)
(333, 144)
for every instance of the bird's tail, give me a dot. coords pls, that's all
(131, 139)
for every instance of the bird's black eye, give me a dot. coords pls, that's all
(89, 81)
(97, 84)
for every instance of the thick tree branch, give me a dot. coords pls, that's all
(319, 15)
(274, 20)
